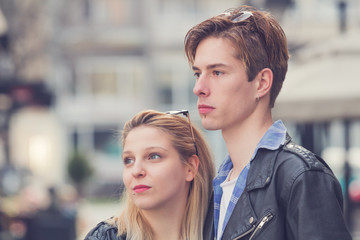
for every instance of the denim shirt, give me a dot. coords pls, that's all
(273, 138)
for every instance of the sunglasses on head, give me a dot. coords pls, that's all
(236, 17)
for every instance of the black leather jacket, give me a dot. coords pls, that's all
(291, 194)
(104, 231)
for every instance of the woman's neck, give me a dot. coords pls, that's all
(166, 224)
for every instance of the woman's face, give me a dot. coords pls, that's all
(154, 175)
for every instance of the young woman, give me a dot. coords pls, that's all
(168, 172)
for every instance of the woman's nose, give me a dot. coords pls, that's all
(138, 170)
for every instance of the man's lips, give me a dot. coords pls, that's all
(141, 188)
(204, 109)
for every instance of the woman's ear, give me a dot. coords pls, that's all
(265, 78)
(192, 168)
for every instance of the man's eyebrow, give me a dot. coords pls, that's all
(211, 66)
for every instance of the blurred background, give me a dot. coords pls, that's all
(72, 72)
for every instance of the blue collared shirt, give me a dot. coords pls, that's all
(274, 137)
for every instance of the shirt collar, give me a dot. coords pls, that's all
(274, 137)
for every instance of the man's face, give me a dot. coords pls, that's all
(225, 96)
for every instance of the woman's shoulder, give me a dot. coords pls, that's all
(104, 231)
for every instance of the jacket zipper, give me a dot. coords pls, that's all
(263, 221)
(245, 233)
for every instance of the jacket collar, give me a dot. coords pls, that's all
(260, 174)
(261, 169)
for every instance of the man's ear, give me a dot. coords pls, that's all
(265, 80)
(192, 168)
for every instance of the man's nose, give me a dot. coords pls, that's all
(201, 88)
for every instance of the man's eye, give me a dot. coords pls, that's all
(217, 73)
(197, 75)
(154, 156)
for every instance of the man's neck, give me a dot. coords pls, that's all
(242, 139)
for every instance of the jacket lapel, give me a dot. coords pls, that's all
(243, 218)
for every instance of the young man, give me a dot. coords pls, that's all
(268, 187)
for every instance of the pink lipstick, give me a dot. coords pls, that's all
(141, 188)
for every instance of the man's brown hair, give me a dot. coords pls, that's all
(258, 38)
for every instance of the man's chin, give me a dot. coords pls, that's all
(208, 125)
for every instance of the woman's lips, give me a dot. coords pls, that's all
(204, 109)
(141, 188)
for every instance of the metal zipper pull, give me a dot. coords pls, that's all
(263, 221)
(246, 233)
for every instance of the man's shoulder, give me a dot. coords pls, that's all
(104, 231)
(302, 157)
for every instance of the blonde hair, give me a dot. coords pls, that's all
(131, 220)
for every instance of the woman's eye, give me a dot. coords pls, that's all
(197, 75)
(128, 161)
(154, 156)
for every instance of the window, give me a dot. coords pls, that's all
(106, 141)
(112, 12)
(104, 83)
(164, 79)
(119, 79)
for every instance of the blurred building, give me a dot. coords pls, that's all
(102, 61)
(106, 60)
(320, 97)
(111, 59)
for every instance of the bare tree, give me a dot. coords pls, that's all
(27, 37)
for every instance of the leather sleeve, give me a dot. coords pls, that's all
(315, 206)
(103, 231)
